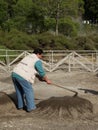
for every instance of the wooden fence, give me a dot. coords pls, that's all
(68, 60)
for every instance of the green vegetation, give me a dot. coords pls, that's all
(49, 24)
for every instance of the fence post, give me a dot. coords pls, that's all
(7, 61)
(69, 64)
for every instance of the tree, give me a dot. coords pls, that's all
(3, 12)
(91, 10)
(35, 18)
(21, 10)
(60, 9)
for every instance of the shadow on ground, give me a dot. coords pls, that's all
(89, 91)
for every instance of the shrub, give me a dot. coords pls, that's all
(50, 41)
(19, 40)
(84, 43)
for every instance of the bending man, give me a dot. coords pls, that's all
(23, 76)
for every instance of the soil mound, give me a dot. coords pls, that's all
(6, 104)
(65, 107)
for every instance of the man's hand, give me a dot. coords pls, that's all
(49, 82)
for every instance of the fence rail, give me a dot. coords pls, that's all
(53, 59)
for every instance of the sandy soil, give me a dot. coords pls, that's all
(85, 83)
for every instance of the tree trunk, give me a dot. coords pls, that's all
(57, 19)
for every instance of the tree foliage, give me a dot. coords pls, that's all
(3, 12)
(91, 10)
(37, 16)
(45, 23)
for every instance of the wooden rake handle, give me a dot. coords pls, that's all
(76, 93)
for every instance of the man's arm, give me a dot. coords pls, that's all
(41, 71)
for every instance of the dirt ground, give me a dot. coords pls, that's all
(85, 83)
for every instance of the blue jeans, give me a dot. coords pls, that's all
(24, 93)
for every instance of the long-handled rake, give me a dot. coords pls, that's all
(76, 93)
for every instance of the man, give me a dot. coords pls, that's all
(23, 76)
